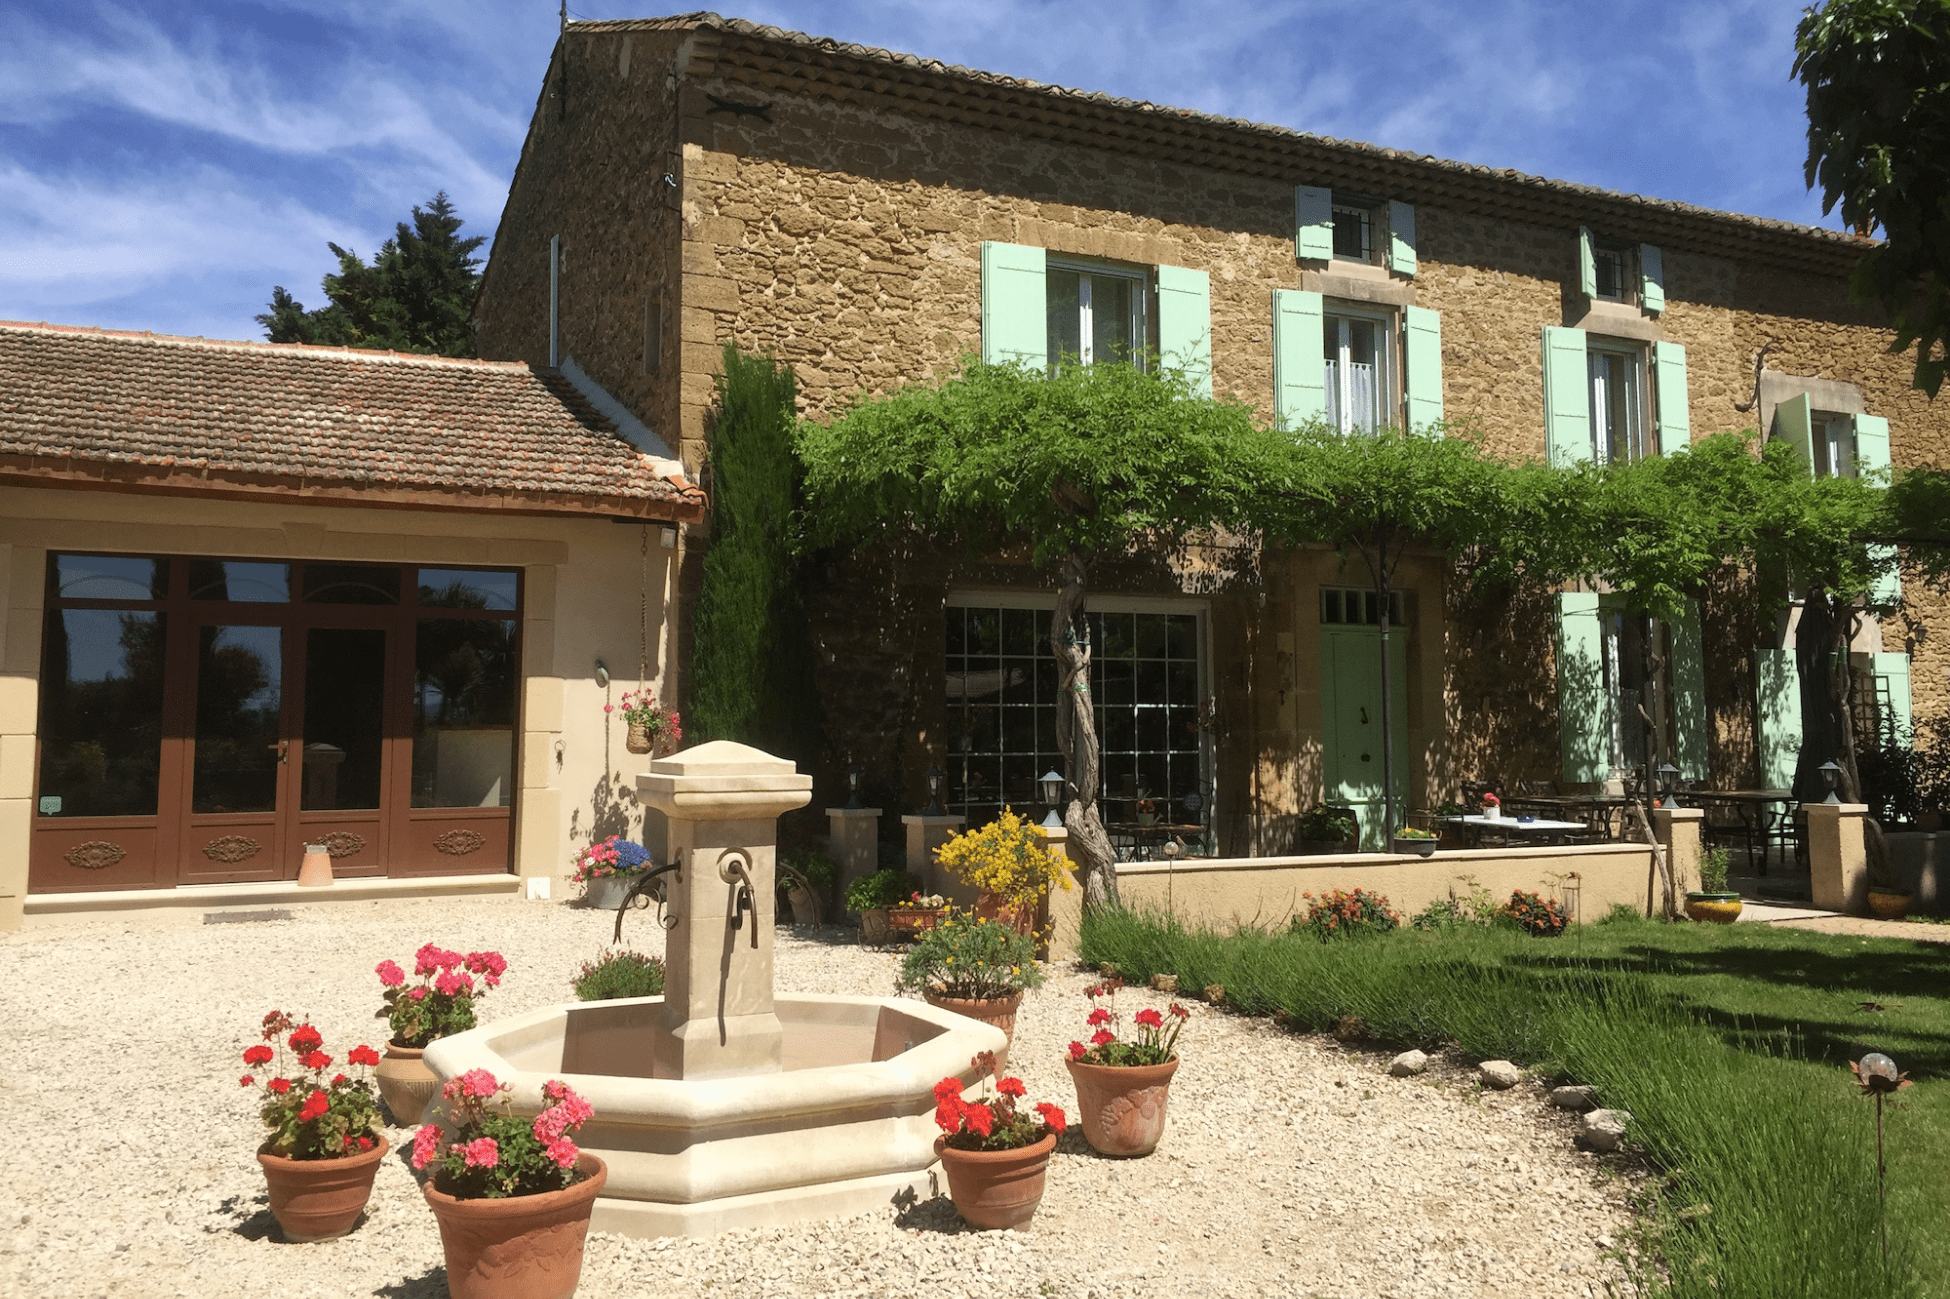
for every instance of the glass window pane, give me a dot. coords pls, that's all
(1065, 315)
(345, 688)
(466, 588)
(1182, 633)
(464, 712)
(1111, 682)
(109, 577)
(101, 712)
(352, 583)
(984, 631)
(1351, 238)
(239, 694)
(1151, 639)
(1111, 318)
(957, 631)
(1020, 629)
(1118, 639)
(241, 580)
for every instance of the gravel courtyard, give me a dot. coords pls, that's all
(1290, 1167)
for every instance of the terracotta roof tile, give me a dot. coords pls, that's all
(310, 417)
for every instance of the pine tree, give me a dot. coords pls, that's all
(414, 297)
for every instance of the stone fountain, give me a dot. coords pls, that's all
(720, 1105)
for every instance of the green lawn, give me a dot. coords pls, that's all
(1728, 1045)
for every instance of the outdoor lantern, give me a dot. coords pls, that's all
(853, 774)
(1831, 773)
(934, 808)
(1573, 891)
(1052, 783)
(1669, 781)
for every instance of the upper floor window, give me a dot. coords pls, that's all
(1096, 313)
(1615, 267)
(1336, 226)
(1355, 228)
(1834, 445)
(1618, 430)
(1359, 380)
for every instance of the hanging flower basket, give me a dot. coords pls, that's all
(653, 728)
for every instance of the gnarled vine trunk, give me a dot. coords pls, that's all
(1076, 736)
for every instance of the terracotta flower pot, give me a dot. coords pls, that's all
(1713, 908)
(1019, 916)
(1122, 1108)
(405, 1083)
(874, 928)
(1888, 904)
(319, 1199)
(999, 1011)
(522, 1247)
(996, 1189)
(913, 920)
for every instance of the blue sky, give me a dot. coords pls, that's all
(163, 164)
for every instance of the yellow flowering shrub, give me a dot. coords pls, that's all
(1009, 856)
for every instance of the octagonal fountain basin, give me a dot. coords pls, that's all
(847, 1127)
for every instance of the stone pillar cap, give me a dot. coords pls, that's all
(850, 812)
(1836, 809)
(916, 818)
(723, 780)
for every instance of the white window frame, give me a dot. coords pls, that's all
(1337, 388)
(1141, 311)
(1627, 257)
(1598, 351)
(1834, 444)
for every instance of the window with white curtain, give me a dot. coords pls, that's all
(1359, 376)
(1618, 429)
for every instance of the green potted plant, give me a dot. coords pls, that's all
(614, 975)
(1010, 863)
(512, 1194)
(607, 869)
(974, 967)
(1420, 843)
(1123, 1086)
(804, 877)
(1325, 829)
(326, 1141)
(873, 896)
(653, 728)
(995, 1155)
(1713, 902)
(441, 1003)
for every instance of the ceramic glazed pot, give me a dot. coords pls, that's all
(999, 1011)
(1019, 916)
(874, 928)
(996, 1189)
(524, 1247)
(1122, 1109)
(319, 1199)
(1888, 905)
(1713, 908)
(405, 1083)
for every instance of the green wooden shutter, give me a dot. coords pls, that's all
(1689, 694)
(1794, 423)
(1872, 456)
(1583, 719)
(1422, 348)
(1892, 695)
(1652, 279)
(1675, 424)
(1015, 305)
(1299, 374)
(1313, 223)
(1185, 324)
(1778, 687)
(1401, 238)
(1567, 396)
(1587, 264)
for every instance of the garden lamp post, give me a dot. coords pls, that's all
(934, 778)
(853, 774)
(1830, 774)
(1668, 782)
(1052, 783)
(1876, 1074)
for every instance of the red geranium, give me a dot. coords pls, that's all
(995, 1124)
(309, 1116)
(1156, 1040)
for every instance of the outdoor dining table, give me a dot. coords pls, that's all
(1146, 839)
(1542, 828)
(1597, 809)
(1766, 816)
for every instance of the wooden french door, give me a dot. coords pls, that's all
(285, 744)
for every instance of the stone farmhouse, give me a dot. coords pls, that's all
(870, 217)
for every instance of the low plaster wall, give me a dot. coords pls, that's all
(1222, 893)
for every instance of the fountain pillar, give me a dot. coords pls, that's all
(722, 801)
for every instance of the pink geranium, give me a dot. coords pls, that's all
(442, 1001)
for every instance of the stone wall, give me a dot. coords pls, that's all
(846, 240)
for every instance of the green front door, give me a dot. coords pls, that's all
(1351, 721)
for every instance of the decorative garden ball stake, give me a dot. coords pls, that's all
(1876, 1074)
